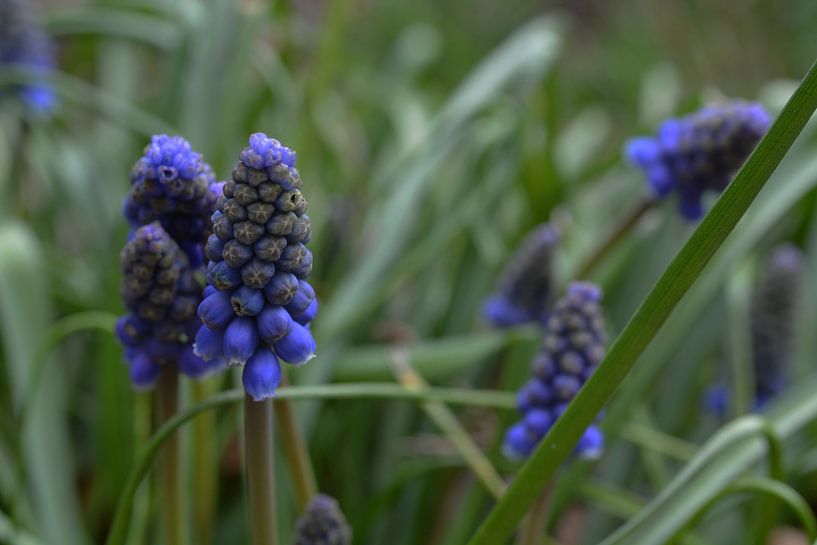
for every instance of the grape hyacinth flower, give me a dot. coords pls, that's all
(323, 523)
(773, 314)
(523, 294)
(172, 184)
(772, 321)
(573, 346)
(259, 306)
(161, 295)
(24, 43)
(699, 152)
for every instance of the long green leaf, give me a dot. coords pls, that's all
(24, 317)
(650, 316)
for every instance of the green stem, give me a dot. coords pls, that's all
(533, 528)
(260, 470)
(679, 277)
(618, 233)
(167, 399)
(206, 470)
(296, 453)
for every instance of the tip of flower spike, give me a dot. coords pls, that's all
(322, 523)
(171, 157)
(585, 290)
(265, 152)
(787, 256)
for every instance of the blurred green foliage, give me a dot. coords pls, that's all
(431, 136)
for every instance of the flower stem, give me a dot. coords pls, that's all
(167, 398)
(205, 462)
(260, 470)
(533, 528)
(617, 234)
(296, 452)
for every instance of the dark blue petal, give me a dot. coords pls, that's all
(261, 375)
(240, 341)
(297, 347)
(274, 323)
(216, 311)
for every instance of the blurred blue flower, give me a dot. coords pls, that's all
(322, 523)
(161, 295)
(172, 184)
(260, 308)
(772, 322)
(523, 293)
(24, 43)
(573, 346)
(699, 152)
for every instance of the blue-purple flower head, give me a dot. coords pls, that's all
(173, 185)
(573, 346)
(322, 523)
(523, 293)
(24, 43)
(161, 295)
(259, 307)
(700, 152)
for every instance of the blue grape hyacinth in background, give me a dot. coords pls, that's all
(573, 346)
(772, 321)
(322, 523)
(24, 43)
(700, 152)
(773, 318)
(524, 291)
(161, 295)
(258, 309)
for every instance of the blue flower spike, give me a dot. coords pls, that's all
(700, 152)
(524, 291)
(161, 296)
(322, 523)
(573, 346)
(260, 304)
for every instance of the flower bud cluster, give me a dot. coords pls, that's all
(161, 295)
(323, 523)
(573, 346)
(699, 152)
(260, 308)
(173, 185)
(523, 294)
